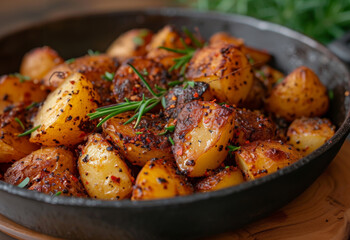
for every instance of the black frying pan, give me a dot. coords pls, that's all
(182, 217)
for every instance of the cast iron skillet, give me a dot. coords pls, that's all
(182, 217)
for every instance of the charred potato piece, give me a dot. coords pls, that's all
(227, 177)
(300, 94)
(160, 178)
(63, 118)
(14, 92)
(308, 134)
(179, 96)
(103, 171)
(202, 133)
(127, 84)
(58, 184)
(251, 126)
(39, 61)
(225, 69)
(141, 144)
(50, 159)
(260, 158)
(130, 44)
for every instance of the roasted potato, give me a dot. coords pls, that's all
(256, 96)
(268, 76)
(300, 94)
(160, 178)
(103, 171)
(130, 44)
(202, 133)
(308, 134)
(222, 37)
(127, 84)
(225, 69)
(58, 184)
(49, 159)
(63, 118)
(39, 61)
(227, 177)
(14, 91)
(141, 144)
(260, 158)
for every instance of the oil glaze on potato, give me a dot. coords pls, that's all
(50, 159)
(203, 131)
(300, 94)
(308, 134)
(141, 144)
(158, 179)
(260, 158)
(63, 118)
(39, 62)
(226, 69)
(103, 171)
(227, 177)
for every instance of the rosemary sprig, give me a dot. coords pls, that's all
(232, 148)
(21, 77)
(28, 131)
(33, 104)
(20, 123)
(69, 61)
(167, 129)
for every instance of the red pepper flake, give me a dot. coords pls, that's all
(72, 82)
(86, 182)
(175, 121)
(115, 179)
(195, 95)
(148, 140)
(75, 179)
(135, 90)
(179, 152)
(83, 134)
(206, 120)
(246, 142)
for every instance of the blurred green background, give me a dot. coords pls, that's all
(323, 20)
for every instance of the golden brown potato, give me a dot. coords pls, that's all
(159, 178)
(226, 69)
(39, 62)
(14, 92)
(130, 44)
(268, 76)
(300, 94)
(102, 170)
(63, 118)
(50, 159)
(141, 144)
(222, 37)
(127, 84)
(58, 184)
(203, 131)
(260, 158)
(308, 134)
(227, 177)
(255, 96)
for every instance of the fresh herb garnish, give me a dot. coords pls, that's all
(138, 40)
(21, 77)
(188, 83)
(28, 131)
(171, 140)
(20, 123)
(108, 76)
(69, 61)
(144, 72)
(58, 193)
(33, 104)
(330, 94)
(24, 183)
(279, 80)
(167, 129)
(232, 148)
(178, 82)
(227, 167)
(138, 133)
(93, 53)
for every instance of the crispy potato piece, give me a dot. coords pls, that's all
(226, 69)
(59, 184)
(130, 44)
(268, 76)
(260, 158)
(127, 84)
(141, 144)
(160, 178)
(222, 37)
(49, 159)
(255, 96)
(308, 134)
(203, 131)
(227, 177)
(103, 171)
(63, 118)
(39, 62)
(251, 126)
(14, 92)
(300, 94)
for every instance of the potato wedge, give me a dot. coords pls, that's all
(225, 69)
(300, 94)
(308, 134)
(49, 159)
(223, 37)
(141, 144)
(130, 44)
(203, 131)
(158, 179)
(58, 184)
(63, 118)
(39, 61)
(103, 171)
(260, 158)
(227, 177)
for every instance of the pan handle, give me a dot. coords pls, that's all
(341, 48)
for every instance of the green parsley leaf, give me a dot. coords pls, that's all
(21, 77)
(108, 76)
(24, 183)
(93, 53)
(58, 193)
(69, 61)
